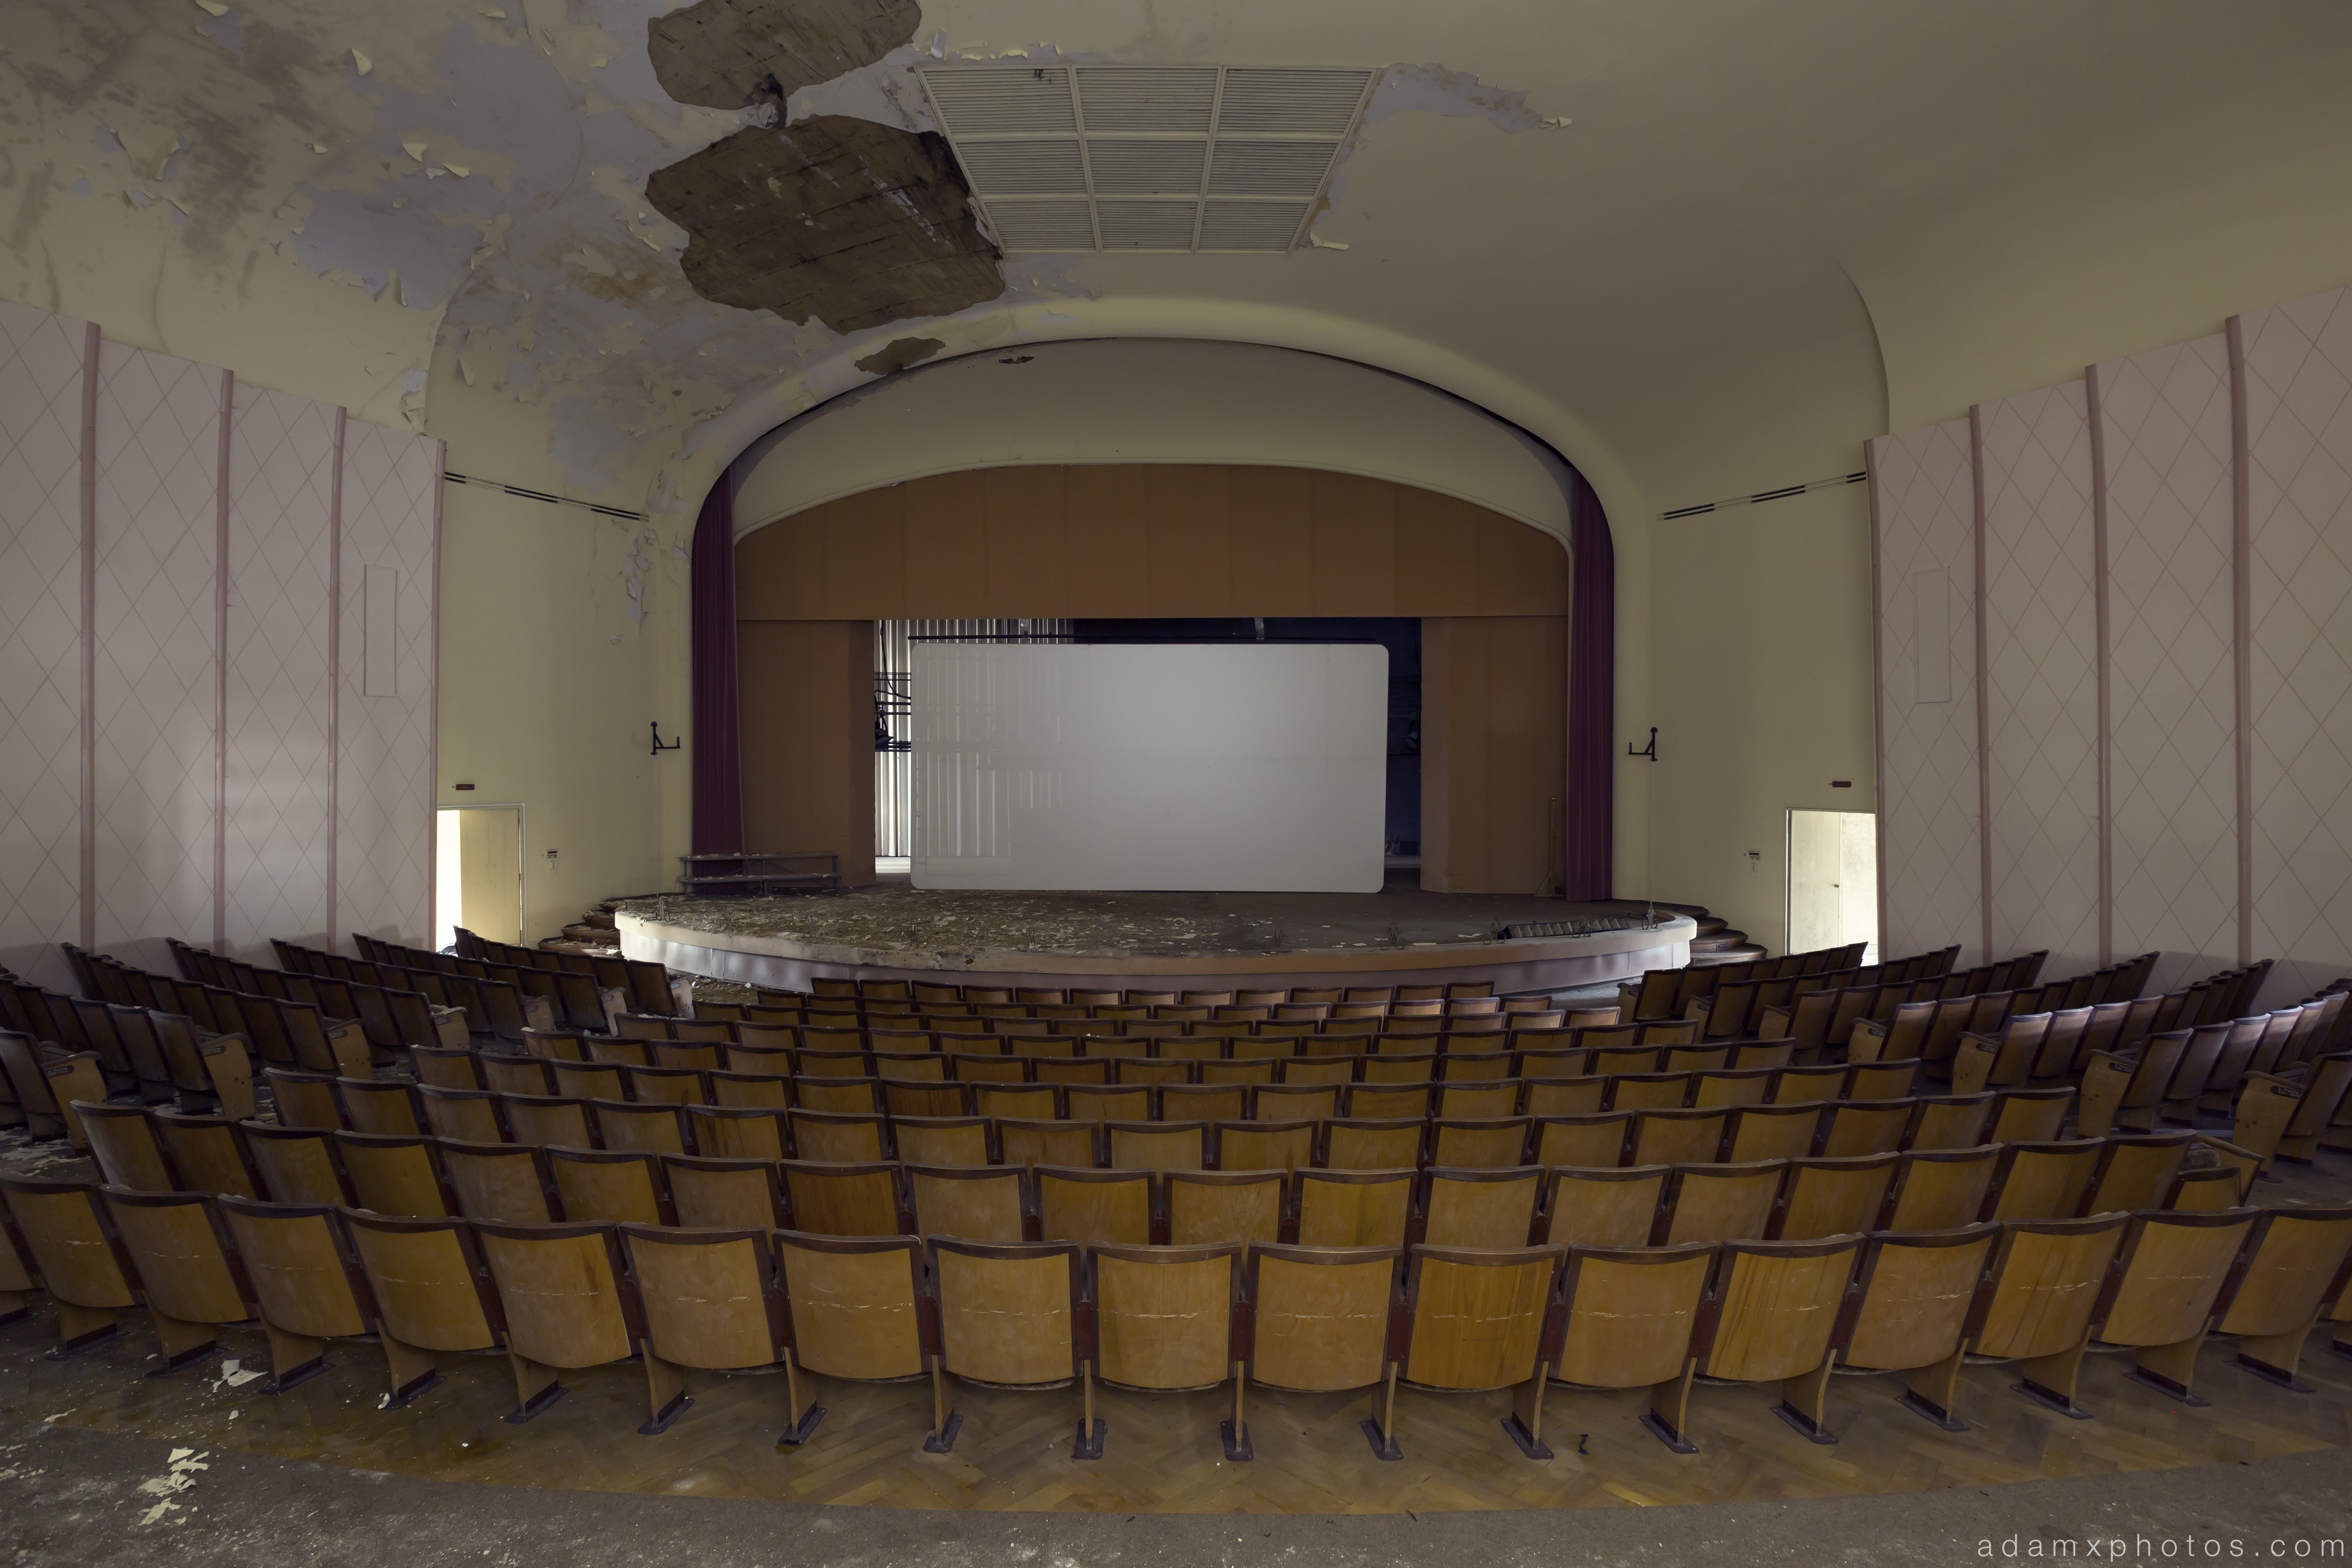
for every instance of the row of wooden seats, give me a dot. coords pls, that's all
(1479, 1186)
(1835, 1016)
(492, 1002)
(1735, 1009)
(1043, 1314)
(611, 984)
(1931, 1026)
(59, 1046)
(1667, 993)
(388, 1019)
(281, 1029)
(914, 1034)
(927, 992)
(645, 987)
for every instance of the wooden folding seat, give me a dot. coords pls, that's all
(707, 1193)
(844, 1198)
(517, 1075)
(1671, 1137)
(925, 1099)
(1029, 1143)
(1150, 1073)
(941, 1140)
(1156, 1145)
(1909, 1312)
(667, 1085)
(1144, 998)
(624, 1051)
(1470, 1068)
(617, 1186)
(747, 1066)
(48, 1082)
(838, 1136)
(1941, 1189)
(586, 1079)
(1548, 1063)
(1864, 1127)
(398, 1173)
(1808, 1085)
(2293, 1265)
(655, 1128)
(838, 1096)
(1082, 997)
(2135, 1171)
(1718, 1202)
(1651, 997)
(1385, 1102)
(1107, 1102)
(124, 1141)
(2129, 1088)
(295, 1165)
(1804, 1021)
(1997, 1061)
(1477, 1321)
(1408, 1067)
(1477, 1101)
(73, 1247)
(740, 1132)
(1023, 1101)
(2041, 1292)
(1754, 1133)
(549, 1120)
(1776, 1308)
(709, 1299)
(562, 1289)
(1078, 1203)
(499, 1181)
(1357, 1143)
(219, 1068)
(1072, 1072)
(448, 1068)
(1353, 1207)
(186, 1265)
(2160, 1297)
(2042, 1181)
(2283, 1118)
(1264, 1145)
(555, 1045)
(1900, 1038)
(1586, 1139)
(1832, 1196)
(304, 1281)
(470, 1114)
(1727, 1086)
(1602, 1206)
(1165, 1319)
(2027, 1115)
(1202, 1103)
(1294, 1102)
(1320, 1322)
(1950, 1121)
(1497, 1143)
(1480, 1208)
(976, 1203)
(1009, 1316)
(1206, 1207)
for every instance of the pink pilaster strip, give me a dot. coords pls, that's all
(1984, 706)
(2103, 741)
(2241, 629)
(88, 635)
(220, 667)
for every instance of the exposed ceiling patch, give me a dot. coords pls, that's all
(842, 221)
(898, 353)
(728, 54)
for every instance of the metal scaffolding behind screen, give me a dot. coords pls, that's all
(894, 732)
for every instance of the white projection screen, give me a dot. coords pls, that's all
(1233, 767)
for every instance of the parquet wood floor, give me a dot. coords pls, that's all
(1163, 1454)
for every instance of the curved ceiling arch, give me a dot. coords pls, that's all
(1150, 399)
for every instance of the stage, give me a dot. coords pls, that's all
(1199, 941)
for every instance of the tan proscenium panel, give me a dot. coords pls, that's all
(1103, 157)
(1175, 539)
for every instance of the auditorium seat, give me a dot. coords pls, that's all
(373, 1105)
(471, 1114)
(1588, 1139)
(844, 1198)
(2027, 1115)
(2041, 1292)
(1609, 1207)
(1063, 1144)
(707, 1298)
(1365, 1207)
(73, 1247)
(1823, 1197)
(305, 1281)
(1008, 1316)
(1209, 1207)
(1264, 1145)
(740, 1132)
(499, 1181)
(1777, 1306)
(2294, 1259)
(1357, 1143)
(588, 1079)
(186, 1267)
(655, 1128)
(123, 1141)
(47, 1081)
(1718, 1202)
(1095, 1206)
(2129, 1088)
(2135, 1171)
(619, 1186)
(396, 1173)
(2281, 1117)
(1864, 1127)
(1164, 1320)
(978, 1203)
(1676, 1137)
(1914, 1294)
(1770, 1132)
(2159, 1300)
(723, 1194)
(560, 1288)
(960, 1141)
(1630, 1314)
(2042, 1181)
(549, 1120)
(1941, 1189)
(296, 1165)
(1477, 1318)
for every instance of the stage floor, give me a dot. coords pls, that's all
(1208, 940)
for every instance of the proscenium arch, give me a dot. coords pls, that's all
(1154, 402)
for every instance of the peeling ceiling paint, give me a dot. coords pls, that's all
(733, 54)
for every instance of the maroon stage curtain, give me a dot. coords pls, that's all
(1588, 870)
(717, 757)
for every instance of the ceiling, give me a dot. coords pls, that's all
(1701, 247)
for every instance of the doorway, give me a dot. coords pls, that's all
(1832, 881)
(477, 874)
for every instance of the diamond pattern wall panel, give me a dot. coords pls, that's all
(2041, 676)
(281, 698)
(40, 640)
(2172, 703)
(385, 862)
(158, 455)
(1925, 502)
(2298, 371)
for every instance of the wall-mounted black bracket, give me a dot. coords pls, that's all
(1652, 752)
(659, 746)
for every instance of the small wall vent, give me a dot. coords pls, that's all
(1080, 158)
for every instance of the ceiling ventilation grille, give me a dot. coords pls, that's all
(1079, 157)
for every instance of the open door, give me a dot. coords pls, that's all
(478, 853)
(1832, 880)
